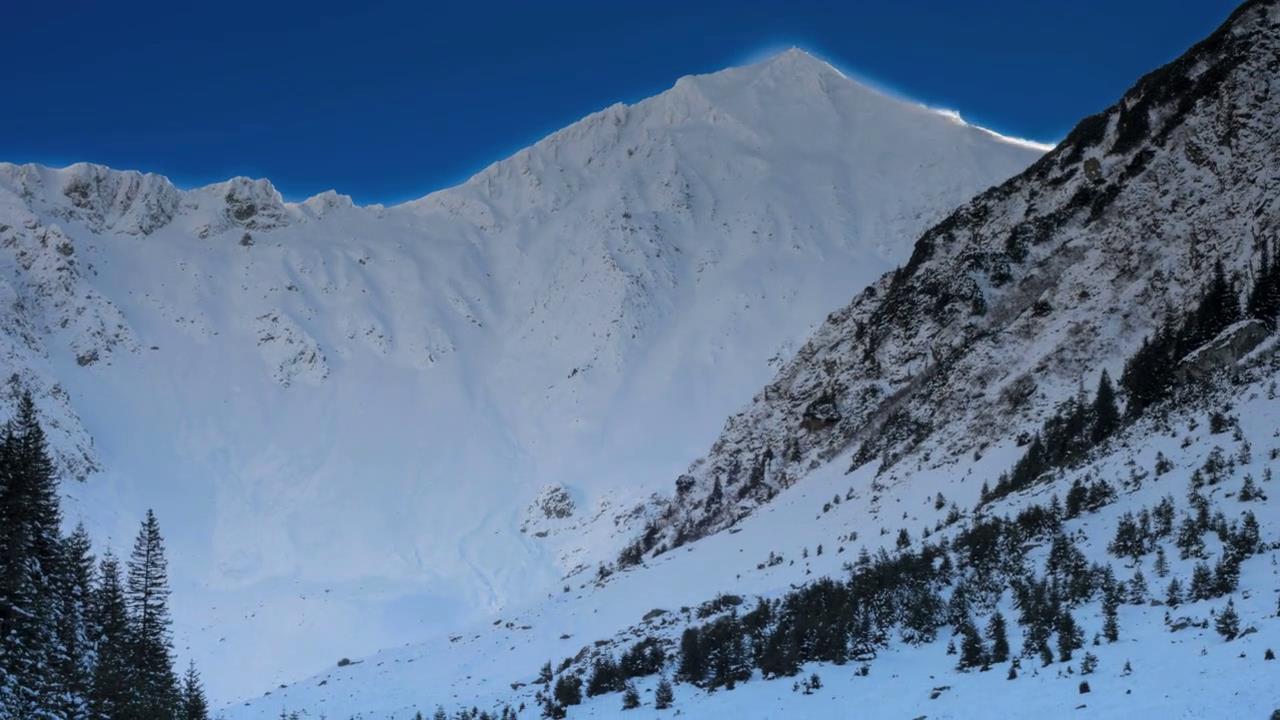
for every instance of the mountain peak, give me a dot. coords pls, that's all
(796, 58)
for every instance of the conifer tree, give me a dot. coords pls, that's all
(664, 695)
(1111, 620)
(1106, 414)
(1138, 588)
(630, 696)
(1228, 622)
(1264, 298)
(112, 674)
(31, 553)
(1162, 563)
(998, 635)
(1069, 636)
(75, 632)
(1173, 595)
(155, 688)
(194, 704)
(972, 653)
(692, 667)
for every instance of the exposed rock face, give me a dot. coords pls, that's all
(1011, 302)
(1228, 348)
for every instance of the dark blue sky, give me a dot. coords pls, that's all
(387, 101)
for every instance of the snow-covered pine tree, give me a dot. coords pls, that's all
(31, 552)
(154, 685)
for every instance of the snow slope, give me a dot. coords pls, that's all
(349, 419)
(1190, 673)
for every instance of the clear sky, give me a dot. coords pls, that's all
(387, 101)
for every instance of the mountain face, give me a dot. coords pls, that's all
(1021, 295)
(362, 425)
(889, 426)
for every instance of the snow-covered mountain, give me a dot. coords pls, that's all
(887, 426)
(361, 426)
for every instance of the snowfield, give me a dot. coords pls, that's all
(348, 418)
(1191, 673)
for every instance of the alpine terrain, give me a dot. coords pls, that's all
(1027, 473)
(366, 426)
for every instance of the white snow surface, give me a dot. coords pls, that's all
(343, 414)
(1190, 673)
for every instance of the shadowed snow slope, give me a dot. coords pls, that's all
(362, 425)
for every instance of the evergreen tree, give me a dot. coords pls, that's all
(693, 668)
(630, 696)
(1228, 622)
(1264, 298)
(605, 677)
(568, 690)
(1202, 582)
(1162, 563)
(1069, 636)
(111, 688)
(972, 653)
(194, 704)
(1106, 415)
(1173, 596)
(1138, 588)
(31, 553)
(75, 632)
(664, 696)
(998, 635)
(1111, 620)
(154, 692)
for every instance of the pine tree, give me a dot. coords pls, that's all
(630, 697)
(605, 677)
(1106, 415)
(1264, 298)
(1202, 582)
(112, 674)
(1138, 588)
(664, 696)
(75, 632)
(194, 704)
(1069, 636)
(1111, 620)
(998, 635)
(1228, 622)
(155, 688)
(972, 652)
(1162, 563)
(31, 553)
(1173, 595)
(568, 690)
(692, 669)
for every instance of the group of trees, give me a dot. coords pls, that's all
(1151, 374)
(1078, 424)
(947, 585)
(79, 638)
